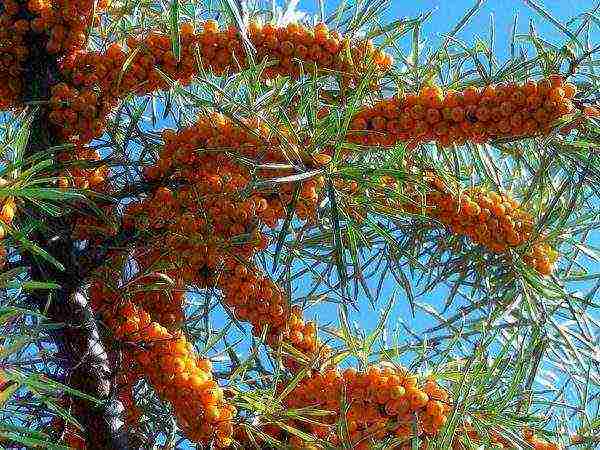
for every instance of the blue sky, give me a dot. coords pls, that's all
(447, 13)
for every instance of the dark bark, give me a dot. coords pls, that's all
(81, 351)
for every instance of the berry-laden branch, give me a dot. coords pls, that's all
(473, 115)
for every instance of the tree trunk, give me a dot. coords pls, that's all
(81, 350)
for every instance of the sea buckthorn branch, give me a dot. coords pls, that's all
(494, 220)
(472, 115)
(164, 212)
(383, 403)
(167, 360)
(255, 299)
(190, 248)
(506, 110)
(252, 297)
(96, 81)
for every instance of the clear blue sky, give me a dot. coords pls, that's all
(447, 13)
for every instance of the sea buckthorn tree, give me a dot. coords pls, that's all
(232, 225)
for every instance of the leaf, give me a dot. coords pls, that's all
(338, 245)
(7, 389)
(127, 63)
(283, 233)
(381, 324)
(36, 250)
(31, 439)
(174, 25)
(550, 18)
(29, 286)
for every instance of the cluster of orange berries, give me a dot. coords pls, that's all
(163, 303)
(200, 221)
(64, 22)
(169, 363)
(59, 25)
(13, 51)
(318, 47)
(383, 402)
(190, 248)
(380, 403)
(7, 211)
(77, 112)
(219, 177)
(475, 115)
(104, 73)
(494, 220)
(255, 299)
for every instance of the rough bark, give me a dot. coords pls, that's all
(81, 350)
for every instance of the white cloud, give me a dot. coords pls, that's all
(289, 14)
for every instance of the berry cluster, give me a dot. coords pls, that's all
(495, 221)
(8, 208)
(169, 363)
(164, 303)
(201, 220)
(63, 22)
(13, 51)
(78, 113)
(380, 403)
(255, 299)
(7, 214)
(383, 402)
(475, 115)
(104, 74)
(198, 155)
(59, 26)
(315, 47)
